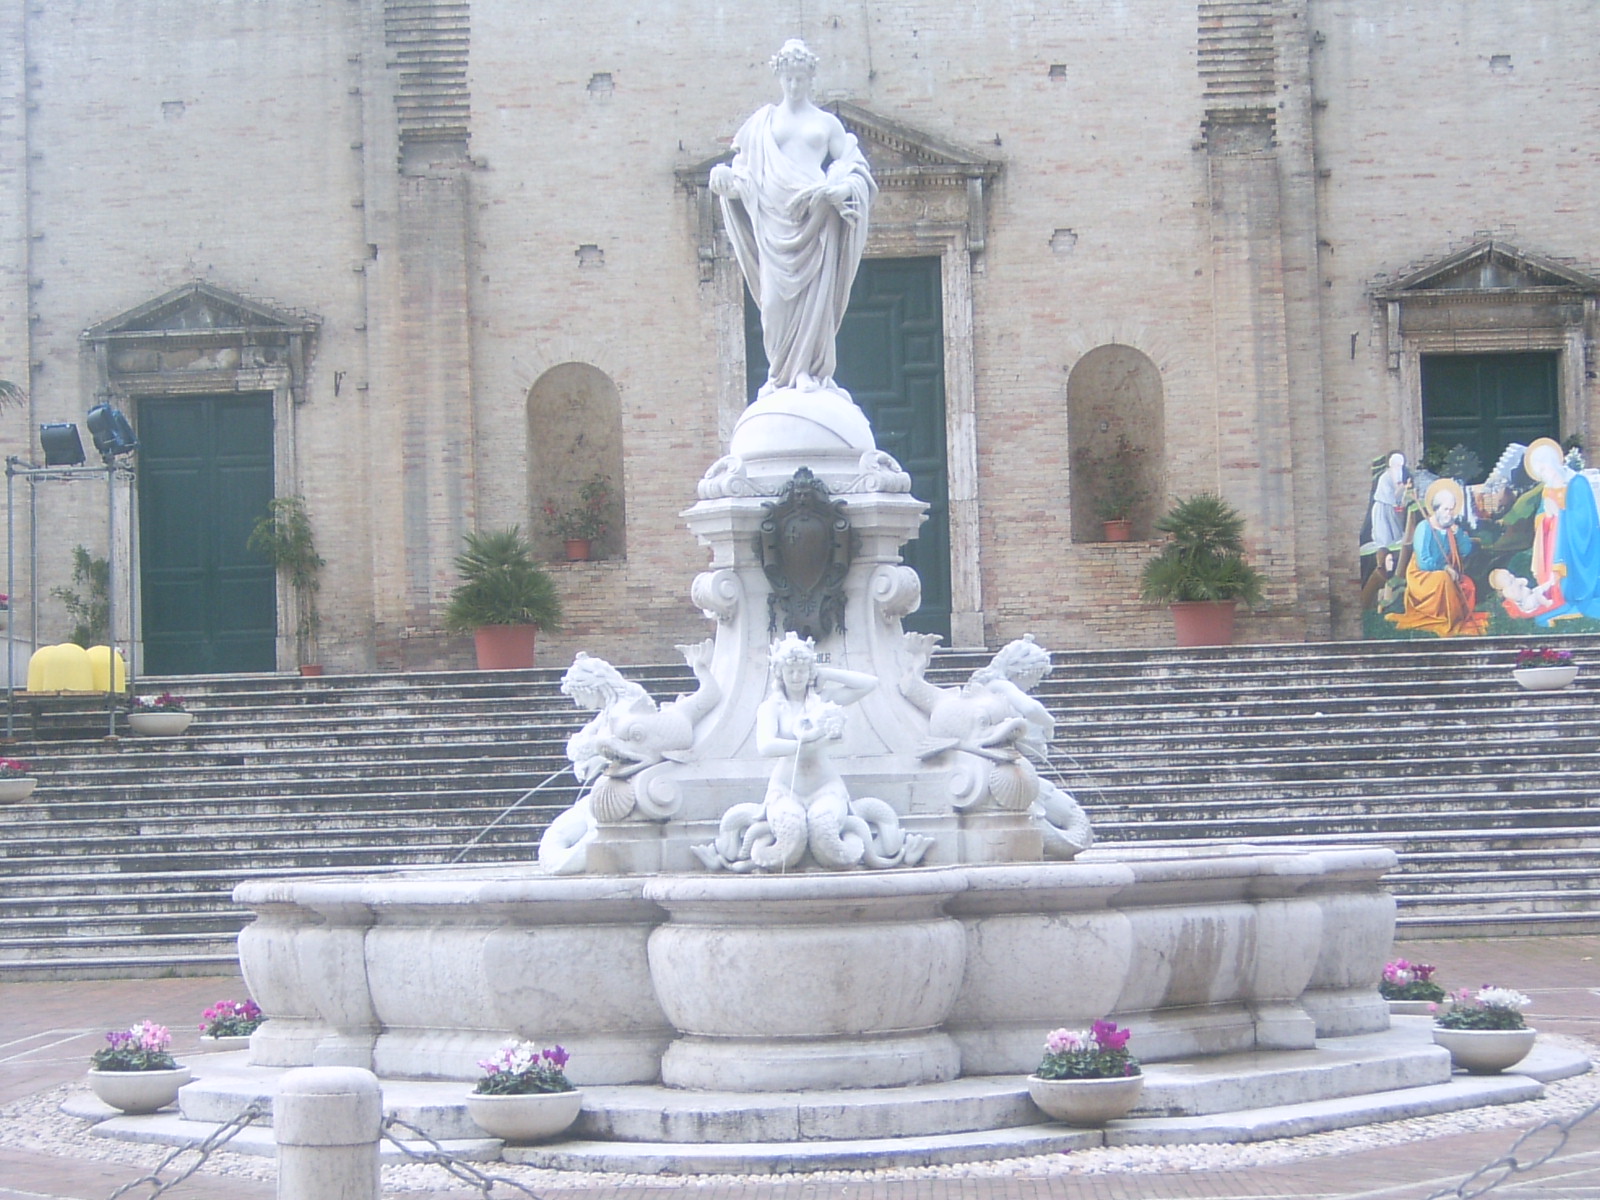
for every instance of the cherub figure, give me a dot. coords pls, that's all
(988, 730)
(628, 734)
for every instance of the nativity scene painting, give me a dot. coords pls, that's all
(1517, 552)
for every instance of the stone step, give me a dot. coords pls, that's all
(646, 1130)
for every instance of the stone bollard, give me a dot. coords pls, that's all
(326, 1121)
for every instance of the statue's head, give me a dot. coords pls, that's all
(1023, 662)
(794, 660)
(595, 683)
(794, 57)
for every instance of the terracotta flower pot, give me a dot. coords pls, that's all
(1119, 530)
(1086, 1101)
(505, 647)
(527, 1117)
(138, 1092)
(158, 722)
(310, 670)
(1204, 622)
(578, 549)
(1485, 1051)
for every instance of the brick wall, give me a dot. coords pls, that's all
(256, 146)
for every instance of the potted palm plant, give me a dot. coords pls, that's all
(283, 536)
(504, 599)
(1202, 572)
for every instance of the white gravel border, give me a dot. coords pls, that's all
(36, 1124)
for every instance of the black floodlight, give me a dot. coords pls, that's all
(62, 446)
(111, 432)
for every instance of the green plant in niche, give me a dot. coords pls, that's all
(284, 538)
(501, 585)
(89, 600)
(1205, 558)
(1113, 479)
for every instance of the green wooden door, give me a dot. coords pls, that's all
(891, 361)
(1486, 401)
(205, 476)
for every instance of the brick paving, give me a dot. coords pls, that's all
(48, 1030)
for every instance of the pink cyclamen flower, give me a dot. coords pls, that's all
(557, 1056)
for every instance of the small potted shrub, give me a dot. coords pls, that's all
(1410, 988)
(580, 525)
(504, 599)
(159, 716)
(1087, 1077)
(135, 1070)
(1112, 477)
(1544, 668)
(284, 537)
(228, 1024)
(1202, 572)
(1485, 1031)
(524, 1094)
(16, 782)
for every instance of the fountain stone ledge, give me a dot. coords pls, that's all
(818, 980)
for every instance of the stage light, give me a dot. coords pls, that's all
(62, 446)
(111, 432)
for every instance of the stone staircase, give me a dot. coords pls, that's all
(123, 861)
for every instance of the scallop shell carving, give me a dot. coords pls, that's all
(611, 799)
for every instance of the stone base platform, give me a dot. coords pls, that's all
(649, 1130)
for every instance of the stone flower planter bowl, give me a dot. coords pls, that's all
(528, 1117)
(1544, 679)
(1485, 1051)
(159, 722)
(138, 1092)
(213, 1044)
(1086, 1101)
(17, 788)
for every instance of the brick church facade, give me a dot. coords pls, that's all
(431, 264)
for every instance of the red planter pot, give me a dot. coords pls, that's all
(505, 647)
(1204, 622)
(1119, 531)
(578, 549)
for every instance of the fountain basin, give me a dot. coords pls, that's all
(960, 969)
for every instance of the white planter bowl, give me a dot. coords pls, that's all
(529, 1117)
(158, 723)
(138, 1092)
(19, 788)
(242, 1042)
(1544, 679)
(1485, 1051)
(1086, 1101)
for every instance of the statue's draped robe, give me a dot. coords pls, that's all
(799, 268)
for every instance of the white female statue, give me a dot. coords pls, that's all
(795, 200)
(807, 806)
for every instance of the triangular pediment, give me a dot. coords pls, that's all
(901, 155)
(200, 309)
(1493, 267)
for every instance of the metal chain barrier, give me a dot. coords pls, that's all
(1492, 1174)
(218, 1138)
(458, 1168)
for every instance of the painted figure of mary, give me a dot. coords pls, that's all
(796, 199)
(1566, 537)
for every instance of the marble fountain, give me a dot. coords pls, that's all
(820, 911)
